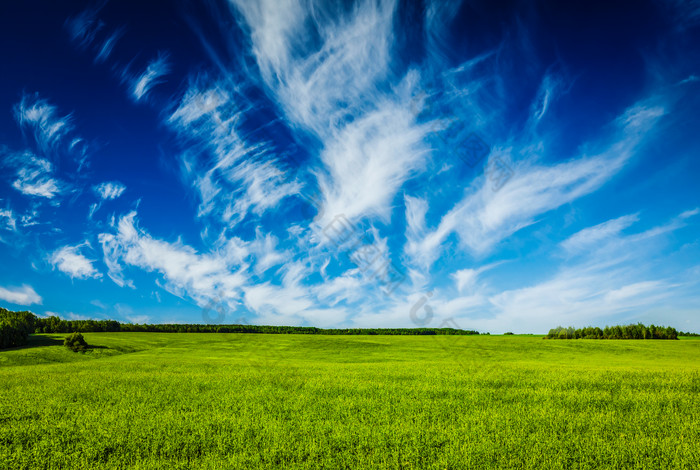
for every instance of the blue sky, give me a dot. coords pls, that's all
(364, 164)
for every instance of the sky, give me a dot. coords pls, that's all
(498, 166)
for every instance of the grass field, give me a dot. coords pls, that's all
(167, 400)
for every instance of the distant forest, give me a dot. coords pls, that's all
(638, 331)
(15, 328)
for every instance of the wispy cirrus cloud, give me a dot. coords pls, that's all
(24, 295)
(593, 236)
(109, 190)
(105, 50)
(202, 277)
(327, 72)
(71, 261)
(607, 237)
(689, 213)
(484, 217)
(35, 176)
(232, 173)
(369, 160)
(325, 66)
(43, 120)
(88, 31)
(142, 84)
(8, 218)
(466, 279)
(106, 191)
(228, 274)
(84, 26)
(288, 299)
(52, 136)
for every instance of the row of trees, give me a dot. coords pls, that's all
(638, 331)
(15, 328)
(57, 325)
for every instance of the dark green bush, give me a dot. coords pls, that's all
(75, 342)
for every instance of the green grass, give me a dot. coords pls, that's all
(167, 400)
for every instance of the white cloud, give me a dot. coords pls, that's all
(72, 316)
(634, 291)
(109, 190)
(10, 223)
(223, 275)
(325, 68)
(242, 176)
(485, 217)
(29, 219)
(438, 16)
(200, 276)
(267, 298)
(24, 295)
(690, 213)
(607, 241)
(465, 278)
(369, 160)
(341, 288)
(291, 302)
(156, 69)
(591, 237)
(106, 49)
(550, 89)
(35, 177)
(320, 81)
(84, 26)
(43, 120)
(69, 260)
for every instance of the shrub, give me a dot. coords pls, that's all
(508, 333)
(75, 342)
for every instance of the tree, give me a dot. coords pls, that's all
(75, 342)
(15, 328)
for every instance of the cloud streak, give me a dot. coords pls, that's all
(109, 190)
(24, 295)
(483, 218)
(43, 120)
(35, 177)
(152, 76)
(71, 261)
(232, 173)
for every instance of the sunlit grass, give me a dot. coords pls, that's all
(159, 400)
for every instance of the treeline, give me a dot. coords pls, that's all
(638, 331)
(15, 327)
(57, 325)
(687, 333)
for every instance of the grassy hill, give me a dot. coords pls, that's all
(163, 400)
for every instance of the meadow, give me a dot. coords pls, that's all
(219, 401)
